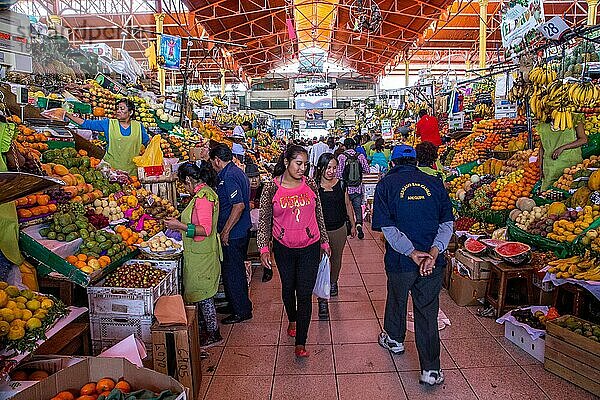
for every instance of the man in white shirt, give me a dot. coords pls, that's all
(317, 151)
(238, 148)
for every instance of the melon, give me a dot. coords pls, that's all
(475, 178)
(525, 204)
(474, 246)
(514, 214)
(493, 242)
(557, 208)
(460, 194)
(514, 252)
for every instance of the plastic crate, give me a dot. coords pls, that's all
(134, 301)
(108, 328)
(544, 286)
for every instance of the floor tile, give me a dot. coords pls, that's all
(555, 387)
(379, 306)
(348, 269)
(377, 292)
(302, 387)
(238, 387)
(351, 293)
(362, 358)
(261, 295)
(375, 279)
(349, 310)
(209, 365)
(409, 361)
(350, 280)
(495, 329)
(379, 386)
(357, 331)
(477, 352)
(367, 266)
(465, 326)
(318, 333)
(253, 360)
(492, 383)
(519, 355)
(206, 379)
(455, 387)
(271, 312)
(320, 361)
(254, 334)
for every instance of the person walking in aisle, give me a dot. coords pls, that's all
(414, 212)
(292, 219)
(202, 250)
(428, 128)
(351, 167)
(380, 156)
(337, 209)
(317, 150)
(233, 226)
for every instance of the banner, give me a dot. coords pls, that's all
(520, 19)
(308, 99)
(170, 51)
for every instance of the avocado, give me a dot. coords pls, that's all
(71, 236)
(52, 235)
(60, 237)
(106, 245)
(44, 232)
(69, 228)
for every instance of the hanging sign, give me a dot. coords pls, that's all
(554, 28)
(520, 20)
(170, 51)
(386, 128)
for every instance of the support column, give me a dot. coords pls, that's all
(467, 68)
(223, 71)
(159, 19)
(482, 32)
(591, 14)
(406, 73)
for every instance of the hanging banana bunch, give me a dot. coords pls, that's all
(562, 118)
(542, 75)
(584, 94)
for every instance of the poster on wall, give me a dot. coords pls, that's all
(386, 129)
(520, 19)
(310, 97)
(170, 51)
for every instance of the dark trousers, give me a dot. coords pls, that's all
(356, 200)
(425, 292)
(233, 272)
(298, 272)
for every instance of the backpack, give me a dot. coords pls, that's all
(353, 173)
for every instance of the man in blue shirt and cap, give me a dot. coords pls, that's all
(414, 212)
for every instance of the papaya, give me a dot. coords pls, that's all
(594, 182)
(581, 197)
(557, 208)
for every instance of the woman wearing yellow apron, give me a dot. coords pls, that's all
(201, 245)
(9, 224)
(560, 149)
(124, 137)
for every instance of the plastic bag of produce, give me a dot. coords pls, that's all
(153, 156)
(323, 284)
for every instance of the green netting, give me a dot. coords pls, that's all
(517, 234)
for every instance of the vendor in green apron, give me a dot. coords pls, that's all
(124, 137)
(10, 254)
(201, 244)
(428, 161)
(560, 149)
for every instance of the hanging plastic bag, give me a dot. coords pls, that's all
(323, 283)
(153, 156)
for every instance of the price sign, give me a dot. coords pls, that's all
(554, 28)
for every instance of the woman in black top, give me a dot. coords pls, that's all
(337, 209)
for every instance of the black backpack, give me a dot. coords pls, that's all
(353, 173)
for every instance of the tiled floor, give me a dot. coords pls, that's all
(346, 363)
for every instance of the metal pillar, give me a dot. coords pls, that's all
(406, 73)
(592, 9)
(160, 19)
(483, 32)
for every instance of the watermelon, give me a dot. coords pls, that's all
(514, 252)
(474, 246)
(492, 243)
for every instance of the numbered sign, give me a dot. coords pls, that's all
(554, 28)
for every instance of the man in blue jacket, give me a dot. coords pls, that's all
(415, 214)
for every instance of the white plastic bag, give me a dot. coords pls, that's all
(323, 283)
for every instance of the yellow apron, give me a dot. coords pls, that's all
(121, 149)
(9, 227)
(201, 260)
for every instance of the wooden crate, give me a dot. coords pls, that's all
(165, 190)
(572, 356)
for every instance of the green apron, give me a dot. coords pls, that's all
(9, 227)
(121, 149)
(552, 140)
(201, 260)
(439, 172)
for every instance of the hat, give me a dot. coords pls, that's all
(403, 151)
(252, 170)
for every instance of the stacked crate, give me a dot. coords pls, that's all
(117, 312)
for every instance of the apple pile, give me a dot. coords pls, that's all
(135, 275)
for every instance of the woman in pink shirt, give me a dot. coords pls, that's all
(201, 246)
(292, 219)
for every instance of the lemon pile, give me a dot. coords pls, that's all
(21, 310)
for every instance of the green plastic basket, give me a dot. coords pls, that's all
(562, 250)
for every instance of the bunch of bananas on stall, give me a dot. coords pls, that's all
(218, 102)
(557, 95)
(576, 267)
(562, 118)
(198, 96)
(520, 90)
(584, 94)
(542, 75)
(236, 119)
(484, 111)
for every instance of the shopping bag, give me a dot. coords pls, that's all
(153, 155)
(323, 284)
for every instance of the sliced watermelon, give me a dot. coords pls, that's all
(474, 246)
(514, 252)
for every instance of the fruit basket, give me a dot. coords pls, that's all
(161, 245)
(517, 234)
(131, 300)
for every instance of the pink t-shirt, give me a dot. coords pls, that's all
(294, 216)
(202, 214)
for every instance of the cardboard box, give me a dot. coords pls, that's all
(476, 267)
(176, 352)
(519, 336)
(465, 291)
(93, 369)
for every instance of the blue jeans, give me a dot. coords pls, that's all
(233, 272)
(356, 200)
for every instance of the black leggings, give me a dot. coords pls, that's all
(298, 271)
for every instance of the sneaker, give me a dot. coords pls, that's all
(388, 343)
(432, 377)
(213, 339)
(323, 310)
(333, 292)
(361, 234)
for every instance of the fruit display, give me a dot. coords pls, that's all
(474, 246)
(535, 320)
(208, 130)
(32, 139)
(161, 244)
(481, 228)
(25, 316)
(135, 275)
(581, 327)
(577, 267)
(514, 252)
(104, 389)
(154, 205)
(518, 161)
(464, 223)
(35, 206)
(581, 170)
(142, 111)
(103, 243)
(67, 226)
(102, 100)
(128, 235)
(570, 224)
(461, 183)
(489, 167)
(108, 208)
(533, 221)
(88, 264)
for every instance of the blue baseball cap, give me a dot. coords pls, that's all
(403, 151)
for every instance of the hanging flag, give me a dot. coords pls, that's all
(170, 51)
(291, 29)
